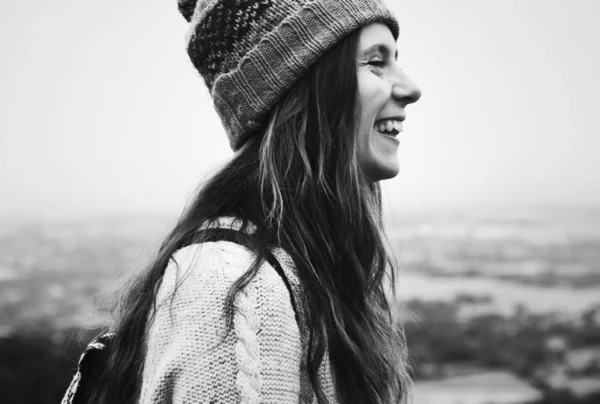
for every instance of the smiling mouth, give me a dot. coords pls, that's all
(388, 127)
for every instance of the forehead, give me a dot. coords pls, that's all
(375, 36)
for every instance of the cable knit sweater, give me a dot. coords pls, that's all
(260, 361)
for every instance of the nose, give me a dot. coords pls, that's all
(405, 90)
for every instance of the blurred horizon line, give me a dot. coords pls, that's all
(470, 208)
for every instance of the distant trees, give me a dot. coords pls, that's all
(437, 336)
(563, 397)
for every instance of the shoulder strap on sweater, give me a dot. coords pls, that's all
(238, 237)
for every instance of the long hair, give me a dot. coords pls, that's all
(299, 182)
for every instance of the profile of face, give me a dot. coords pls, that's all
(384, 91)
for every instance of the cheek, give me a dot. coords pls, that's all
(376, 156)
(373, 94)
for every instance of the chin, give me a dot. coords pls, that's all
(388, 175)
(382, 172)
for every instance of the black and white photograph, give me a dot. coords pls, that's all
(300, 201)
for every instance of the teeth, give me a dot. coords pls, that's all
(389, 126)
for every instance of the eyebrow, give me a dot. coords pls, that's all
(381, 48)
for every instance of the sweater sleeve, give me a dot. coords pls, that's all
(191, 358)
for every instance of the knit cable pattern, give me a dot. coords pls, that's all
(191, 358)
(246, 325)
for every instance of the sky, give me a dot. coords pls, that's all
(101, 111)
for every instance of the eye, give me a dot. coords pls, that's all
(376, 63)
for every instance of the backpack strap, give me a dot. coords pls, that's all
(238, 237)
(92, 357)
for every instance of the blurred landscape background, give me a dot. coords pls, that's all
(106, 130)
(499, 306)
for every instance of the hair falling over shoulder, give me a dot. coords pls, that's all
(299, 182)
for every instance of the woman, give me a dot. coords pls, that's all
(272, 281)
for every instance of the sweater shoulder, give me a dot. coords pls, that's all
(189, 340)
(220, 264)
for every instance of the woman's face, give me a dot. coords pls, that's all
(384, 91)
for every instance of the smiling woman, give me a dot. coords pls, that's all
(272, 281)
(384, 92)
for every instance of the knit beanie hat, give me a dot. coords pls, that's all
(251, 52)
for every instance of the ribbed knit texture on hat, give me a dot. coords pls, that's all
(251, 52)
